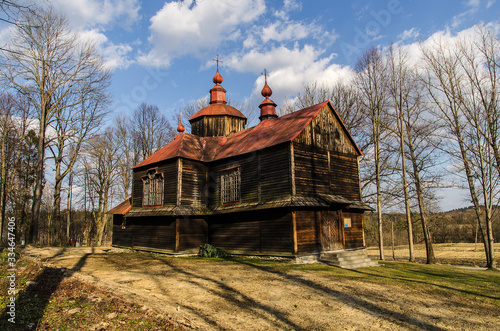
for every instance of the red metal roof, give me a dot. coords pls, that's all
(267, 133)
(122, 208)
(217, 109)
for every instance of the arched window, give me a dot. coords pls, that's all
(152, 192)
(230, 185)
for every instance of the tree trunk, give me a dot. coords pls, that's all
(3, 188)
(379, 197)
(37, 194)
(405, 186)
(431, 259)
(68, 216)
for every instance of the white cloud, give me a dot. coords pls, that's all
(116, 56)
(285, 31)
(84, 13)
(473, 3)
(289, 70)
(181, 28)
(409, 34)
(288, 6)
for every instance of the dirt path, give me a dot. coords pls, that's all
(210, 295)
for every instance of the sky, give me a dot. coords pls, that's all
(162, 52)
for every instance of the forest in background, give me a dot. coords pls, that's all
(416, 119)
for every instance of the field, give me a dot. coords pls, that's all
(454, 254)
(112, 289)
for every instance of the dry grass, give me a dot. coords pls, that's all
(461, 254)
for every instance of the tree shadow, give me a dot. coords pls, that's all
(31, 303)
(398, 318)
(235, 297)
(433, 274)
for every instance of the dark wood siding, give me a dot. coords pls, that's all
(311, 170)
(274, 164)
(193, 183)
(192, 233)
(345, 176)
(318, 171)
(265, 231)
(265, 175)
(308, 231)
(152, 232)
(169, 169)
(354, 235)
(210, 126)
(325, 131)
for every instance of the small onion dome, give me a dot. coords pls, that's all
(267, 107)
(217, 78)
(181, 127)
(266, 90)
(217, 93)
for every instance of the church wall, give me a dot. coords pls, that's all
(150, 232)
(263, 231)
(307, 231)
(354, 234)
(169, 169)
(212, 126)
(265, 175)
(194, 184)
(326, 132)
(318, 171)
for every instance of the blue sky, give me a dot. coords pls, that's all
(161, 51)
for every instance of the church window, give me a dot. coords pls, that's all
(230, 185)
(152, 189)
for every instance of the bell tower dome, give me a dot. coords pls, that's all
(218, 118)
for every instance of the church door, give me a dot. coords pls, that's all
(331, 231)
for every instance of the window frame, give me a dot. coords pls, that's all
(153, 187)
(230, 186)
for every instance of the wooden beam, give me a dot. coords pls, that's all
(292, 169)
(179, 181)
(294, 222)
(177, 234)
(259, 169)
(329, 172)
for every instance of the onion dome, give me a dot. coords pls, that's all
(218, 104)
(267, 107)
(181, 127)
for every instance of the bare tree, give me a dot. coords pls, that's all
(463, 101)
(151, 130)
(405, 95)
(72, 126)
(101, 171)
(371, 81)
(55, 70)
(124, 139)
(345, 98)
(13, 128)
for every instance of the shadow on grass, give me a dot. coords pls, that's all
(403, 320)
(458, 276)
(31, 303)
(261, 311)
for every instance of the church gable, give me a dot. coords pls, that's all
(327, 131)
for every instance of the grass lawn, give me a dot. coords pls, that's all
(48, 298)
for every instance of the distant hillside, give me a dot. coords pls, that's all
(453, 226)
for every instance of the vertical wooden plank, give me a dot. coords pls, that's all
(329, 173)
(294, 222)
(363, 229)
(177, 234)
(259, 185)
(292, 169)
(179, 181)
(341, 221)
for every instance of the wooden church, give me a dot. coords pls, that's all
(287, 186)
